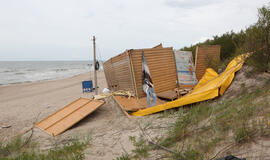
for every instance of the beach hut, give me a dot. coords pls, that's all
(124, 71)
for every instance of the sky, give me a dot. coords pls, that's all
(63, 29)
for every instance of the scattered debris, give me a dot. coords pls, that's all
(210, 86)
(116, 93)
(230, 157)
(5, 126)
(168, 95)
(124, 71)
(133, 103)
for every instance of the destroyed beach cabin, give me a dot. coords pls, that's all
(124, 71)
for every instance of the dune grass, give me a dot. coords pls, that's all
(201, 129)
(18, 149)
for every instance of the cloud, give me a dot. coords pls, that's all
(189, 4)
(202, 39)
(61, 29)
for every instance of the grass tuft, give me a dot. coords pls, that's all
(70, 151)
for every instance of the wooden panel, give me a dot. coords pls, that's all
(132, 103)
(68, 116)
(204, 54)
(118, 73)
(168, 95)
(162, 68)
(108, 71)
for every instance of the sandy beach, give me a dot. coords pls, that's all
(23, 104)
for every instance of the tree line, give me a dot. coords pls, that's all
(255, 39)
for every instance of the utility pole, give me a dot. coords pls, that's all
(95, 72)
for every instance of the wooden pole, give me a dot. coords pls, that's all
(95, 72)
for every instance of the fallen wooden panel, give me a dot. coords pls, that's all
(132, 103)
(168, 95)
(66, 117)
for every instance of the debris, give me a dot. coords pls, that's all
(210, 86)
(168, 95)
(147, 85)
(132, 103)
(185, 68)
(66, 117)
(129, 117)
(105, 90)
(5, 126)
(124, 71)
(116, 93)
(102, 96)
(230, 157)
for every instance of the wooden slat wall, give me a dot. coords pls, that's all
(108, 71)
(162, 68)
(118, 73)
(202, 53)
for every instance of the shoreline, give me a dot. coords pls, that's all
(21, 103)
(53, 79)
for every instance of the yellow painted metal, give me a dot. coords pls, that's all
(210, 86)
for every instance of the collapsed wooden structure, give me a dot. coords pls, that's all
(124, 71)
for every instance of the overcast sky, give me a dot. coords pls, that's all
(62, 29)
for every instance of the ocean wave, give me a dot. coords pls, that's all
(61, 70)
(7, 71)
(19, 73)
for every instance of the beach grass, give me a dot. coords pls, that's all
(20, 148)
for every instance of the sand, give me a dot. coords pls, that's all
(21, 105)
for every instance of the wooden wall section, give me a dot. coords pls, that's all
(109, 73)
(118, 73)
(162, 68)
(203, 54)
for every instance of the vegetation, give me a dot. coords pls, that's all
(124, 156)
(141, 147)
(255, 38)
(21, 149)
(205, 129)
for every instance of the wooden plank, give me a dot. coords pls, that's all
(69, 115)
(169, 95)
(122, 108)
(132, 103)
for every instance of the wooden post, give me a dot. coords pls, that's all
(132, 72)
(95, 72)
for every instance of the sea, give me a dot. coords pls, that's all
(12, 72)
